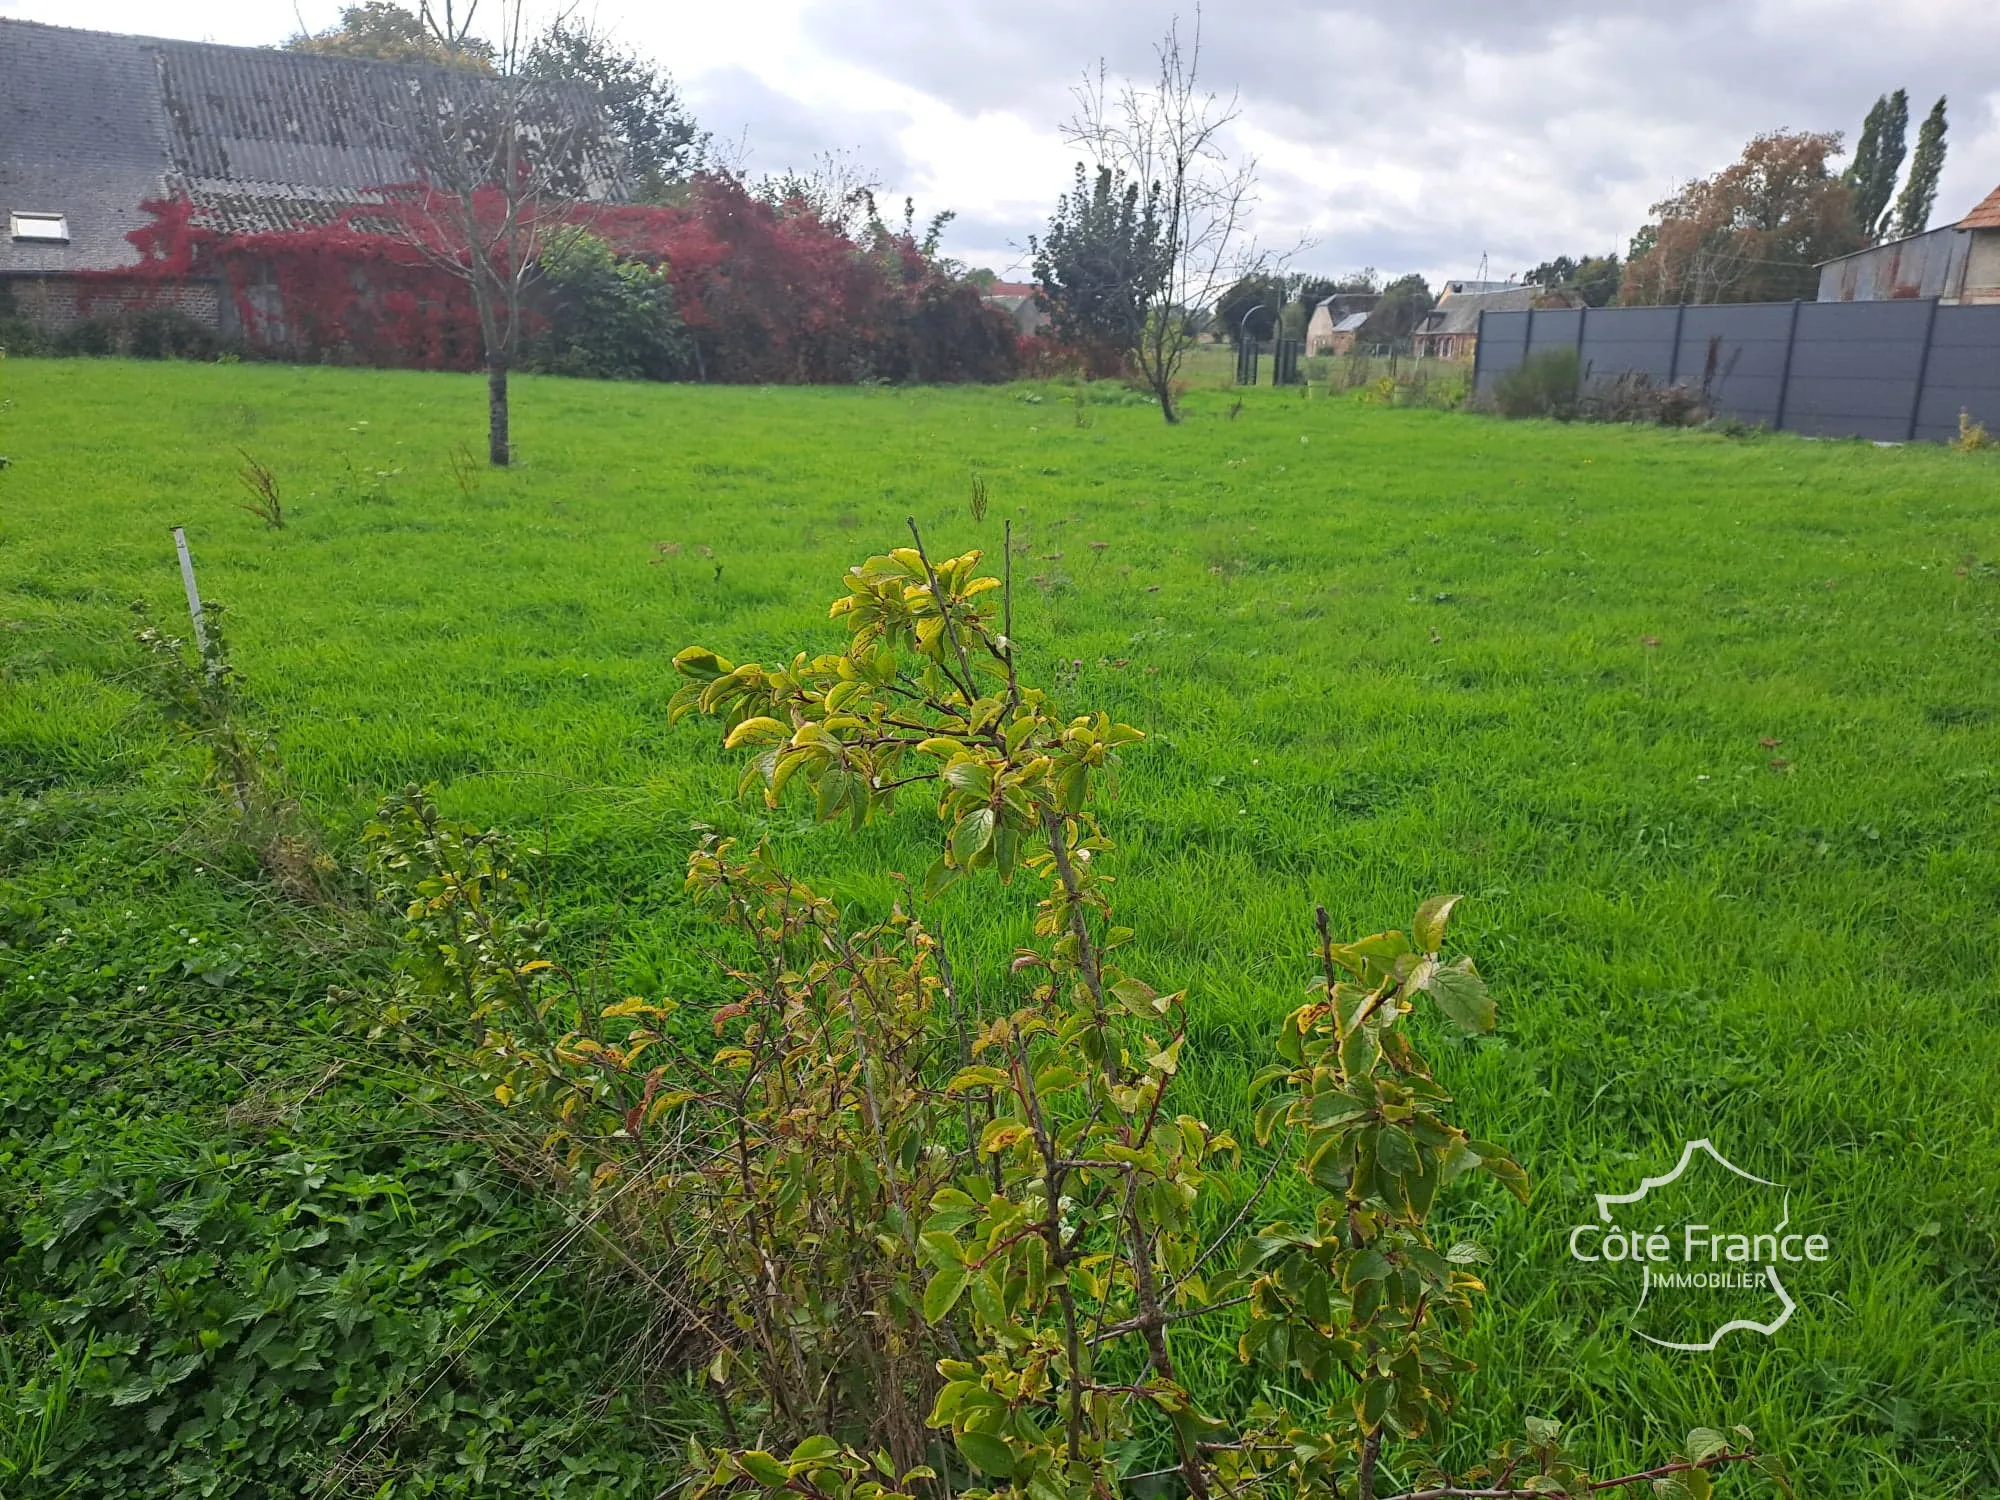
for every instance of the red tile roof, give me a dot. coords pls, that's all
(1011, 289)
(1986, 216)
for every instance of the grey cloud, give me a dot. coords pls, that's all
(1525, 130)
(780, 133)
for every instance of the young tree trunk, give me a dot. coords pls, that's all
(1159, 373)
(498, 452)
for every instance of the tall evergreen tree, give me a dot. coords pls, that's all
(1878, 157)
(1913, 207)
(1102, 266)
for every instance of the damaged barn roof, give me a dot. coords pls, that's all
(92, 124)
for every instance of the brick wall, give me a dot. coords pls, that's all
(56, 304)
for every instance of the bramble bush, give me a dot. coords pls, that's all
(915, 1248)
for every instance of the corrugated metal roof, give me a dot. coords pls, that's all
(93, 123)
(1986, 215)
(1931, 264)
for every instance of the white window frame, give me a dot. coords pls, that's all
(39, 228)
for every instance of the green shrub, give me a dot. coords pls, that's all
(91, 338)
(606, 318)
(1542, 385)
(925, 1248)
(169, 333)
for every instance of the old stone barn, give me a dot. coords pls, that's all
(144, 177)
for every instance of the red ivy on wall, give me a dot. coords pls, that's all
(768, 293)
(333, 290)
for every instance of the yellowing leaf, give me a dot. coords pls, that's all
(1428, 928)
(757, 731)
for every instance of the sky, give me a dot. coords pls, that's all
(1418, 135)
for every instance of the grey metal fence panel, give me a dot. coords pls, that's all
(1739, 359)
(1503, 344)
(1855, 368)
(1963, 373)
(1621, 340)
(1882, 370)
(1554, 328)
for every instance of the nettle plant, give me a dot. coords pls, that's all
(924, 1251)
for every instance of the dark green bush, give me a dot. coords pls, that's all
(91, 338)
(606, 318)
(1542, 385)
(169, 333)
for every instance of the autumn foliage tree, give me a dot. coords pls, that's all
(1753, 232)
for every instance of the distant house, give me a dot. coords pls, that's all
(1021, 302)
(94, 126)
(1959, 263)
(1325, 336)
(1450, 330)
(1334, 322)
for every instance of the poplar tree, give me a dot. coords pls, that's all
(1913, 206)
(1878, 157)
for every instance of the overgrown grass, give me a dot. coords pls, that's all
(1739, 883)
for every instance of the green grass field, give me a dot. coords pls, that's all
(1707, 729)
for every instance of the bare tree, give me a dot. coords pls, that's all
(838, 189)
(502, 161)
(1168, 137)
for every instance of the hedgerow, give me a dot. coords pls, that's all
(766, 292)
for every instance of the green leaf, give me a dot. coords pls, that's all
(1428, 928)
(973, 833)
(941, 1248)
(940, 878)
(971, 776)
(987, 1453)
(1268, 1116)
(833, 791)
(702, 664)
(1136, 996)
(943, 1292)
(1395, 1151)
(1369, 1265)
(1359, 1053)
(1006, 852)
(1509, 1172)
(1461, 994)
(763, 1468)
(1704, 1443)
(814, 1448)
(1544, 1432)
(1055, 1078)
